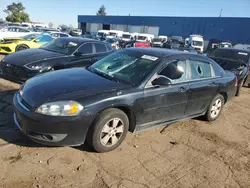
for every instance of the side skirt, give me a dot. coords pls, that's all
(163, 124)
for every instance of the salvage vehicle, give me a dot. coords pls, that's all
(235, 60)
(101, 34)
(75, 32)
(174, 42)
(225, 45)
(133, 89)
(126, 36)
(10, 45)
(144, 37)
(197, 42)
(114, 34)
(61, 53)
(159, 41)
(14, 31)
(56, 34)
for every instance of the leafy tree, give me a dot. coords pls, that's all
(101, 11)
(50, 24)
(16, 13)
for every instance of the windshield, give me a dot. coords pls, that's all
(61, 45)
(142, 38)
(30, 37)
(158, 39)
(112, 34)
(126, 36)
(175, 41)
(231, 54)
(197, 43)
(125, 66)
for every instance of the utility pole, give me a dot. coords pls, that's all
(220, 12)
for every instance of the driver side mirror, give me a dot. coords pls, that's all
(78, 53)
(161, 81)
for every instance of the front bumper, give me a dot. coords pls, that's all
(7, 48)
(47, 130)
(15, 73)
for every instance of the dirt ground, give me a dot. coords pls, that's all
(193, 153)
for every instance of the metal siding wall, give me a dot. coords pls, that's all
(234, 29)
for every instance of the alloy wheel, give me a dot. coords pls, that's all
(112, 132)
(216, 108)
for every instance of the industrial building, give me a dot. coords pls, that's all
(236, 30)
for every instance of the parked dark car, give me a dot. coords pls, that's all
(66, 52)
(174, 42)
(133, 89)
(235, 60)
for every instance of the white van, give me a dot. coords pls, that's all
(114, 34)
(197, 42)
(159, 41)
(143, 37)
(126, 36)
(102, 33)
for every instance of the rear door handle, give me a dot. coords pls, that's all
(182, 89)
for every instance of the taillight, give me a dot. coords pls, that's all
(236, 81)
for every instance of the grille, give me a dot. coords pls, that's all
(13, 70)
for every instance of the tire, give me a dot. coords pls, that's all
(110, 126)
(215, 108)
(21, 47)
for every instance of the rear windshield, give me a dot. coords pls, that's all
(126, 36)
(236, 55)
(141, 38)
(157, 39)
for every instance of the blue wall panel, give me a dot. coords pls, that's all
(234, 29)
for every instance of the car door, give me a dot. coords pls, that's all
(203, 86)
(166, 103)
(83, 56)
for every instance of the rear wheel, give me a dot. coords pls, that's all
(21, 47)
(108, 131)
(215, 108)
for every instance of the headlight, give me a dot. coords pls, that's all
(60, 108)
(38, 66)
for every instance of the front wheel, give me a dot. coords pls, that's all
(108, 130)
(215, 108)
(21, 47)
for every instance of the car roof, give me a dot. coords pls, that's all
(80, 39)
(161, 52)
(235, 49)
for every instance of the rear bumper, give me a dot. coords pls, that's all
(47, 130)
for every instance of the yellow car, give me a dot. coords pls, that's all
(10, 45)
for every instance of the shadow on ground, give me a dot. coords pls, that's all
(8, 130)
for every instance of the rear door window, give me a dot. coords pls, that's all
(86, 48)
(199, 69)
(99, 47)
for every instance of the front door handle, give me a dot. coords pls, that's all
(182, 89)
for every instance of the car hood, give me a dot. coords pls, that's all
(24, 57)
(67, 84)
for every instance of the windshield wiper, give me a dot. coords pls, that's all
(103, 74)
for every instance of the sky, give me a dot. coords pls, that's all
(66, 11)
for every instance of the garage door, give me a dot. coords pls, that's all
(94, 27)
(153, 30)
(135, 29)
(118, 27)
